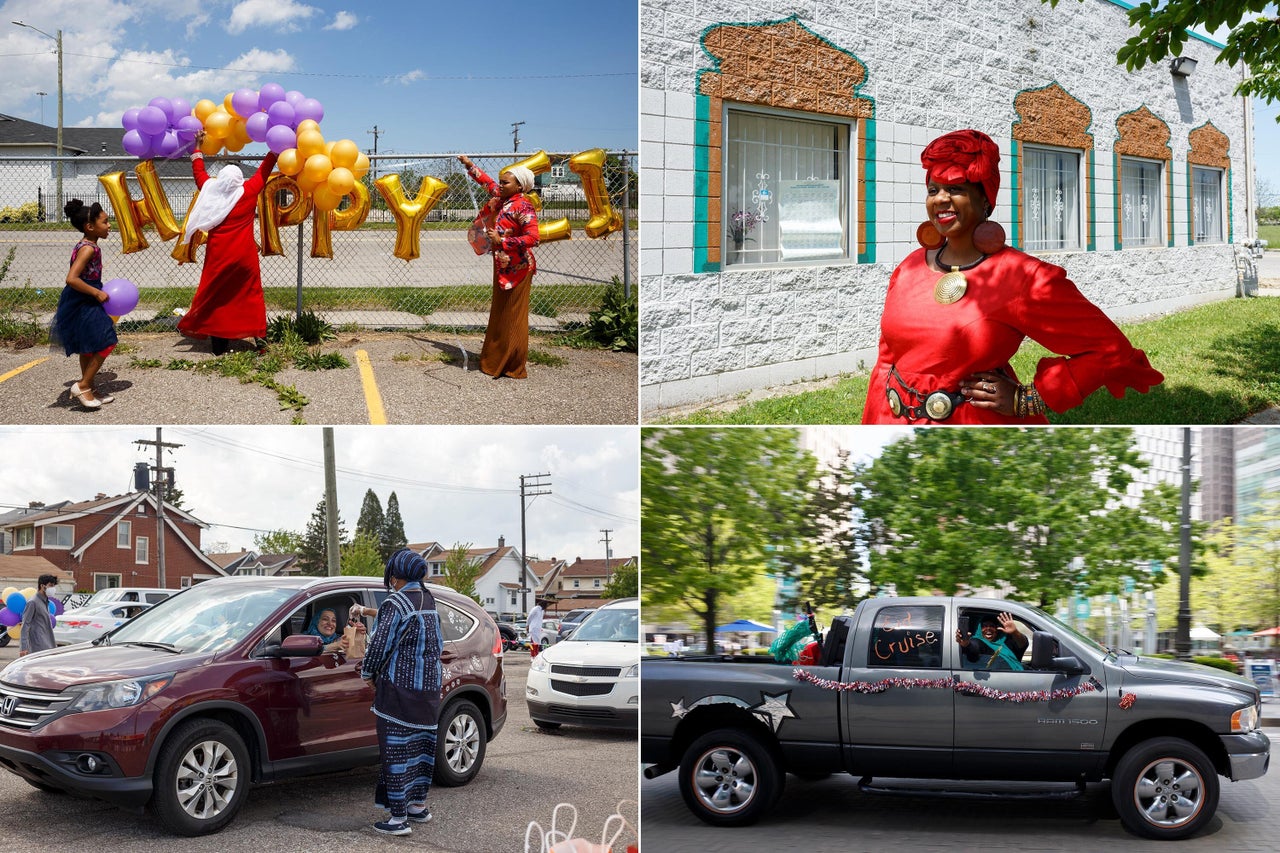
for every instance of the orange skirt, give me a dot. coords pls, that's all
(506, 340)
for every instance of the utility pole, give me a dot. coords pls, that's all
(1182, 639)
(515, 133)
(374, 163)
(58, 41)
(529, 484)
(161, 480)
(331, 506)
(42, 94)
(607, 552)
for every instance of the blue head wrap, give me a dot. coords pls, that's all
(314, 628)
(405, 564)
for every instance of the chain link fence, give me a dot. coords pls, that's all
(363, 284)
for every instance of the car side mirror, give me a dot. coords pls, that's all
(1044, 656)
(299, 646)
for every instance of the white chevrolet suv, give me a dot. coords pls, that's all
(591, 678)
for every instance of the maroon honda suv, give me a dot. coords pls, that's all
(218, 688)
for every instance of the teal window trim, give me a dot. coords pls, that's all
(1231, 233)
(1191, 224)
(869, 182)
(1169, 189)
(1092, 244)
(701, 180)
(1119, 205)
(1015, 192)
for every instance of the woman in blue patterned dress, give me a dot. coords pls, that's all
(402, 664)
(81, 325)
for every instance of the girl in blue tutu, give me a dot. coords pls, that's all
(81, 325)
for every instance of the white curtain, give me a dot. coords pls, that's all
(1051, 200)
(1141, 203)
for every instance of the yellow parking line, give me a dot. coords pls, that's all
(17, 370)
(372, 399)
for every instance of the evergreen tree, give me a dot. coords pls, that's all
(392, 537)
(370, 521)
(313, 555)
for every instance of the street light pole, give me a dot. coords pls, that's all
(42, 95)
(58, 40)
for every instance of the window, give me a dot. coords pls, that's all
(124, 532)
(907, 636)
(24, 537)
(1051, 203)
(101, 581)
(58, 535)
(1206, 205)
(786, 189)
(140, 550)
(596, 583)
(185, 582)
(987, 655)
(1141, 202)
(437, 569)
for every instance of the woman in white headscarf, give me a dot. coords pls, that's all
(228, 303)
(511, 226)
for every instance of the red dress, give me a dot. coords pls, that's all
(506, 338)
(1011, 295)
(228, 303)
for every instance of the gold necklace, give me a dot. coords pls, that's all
(951, 286)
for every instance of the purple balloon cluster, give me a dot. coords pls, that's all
(272, 115)
(163, 128)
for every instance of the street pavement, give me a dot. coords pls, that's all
(833, 815)
(421, 377)
(527, 772)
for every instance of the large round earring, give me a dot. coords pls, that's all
(927, 235)
(988, 237)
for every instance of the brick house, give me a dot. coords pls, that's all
(544, 570)
(111, 541)
(581, 583)
(245, 563)
(496, 585)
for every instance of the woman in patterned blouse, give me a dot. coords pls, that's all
(511, 225)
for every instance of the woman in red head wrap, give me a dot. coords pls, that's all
(959, 308)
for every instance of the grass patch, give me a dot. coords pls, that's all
(1220, 363)
(1270, 233)
(547, 359)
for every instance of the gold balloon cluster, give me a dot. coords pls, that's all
(326, 171)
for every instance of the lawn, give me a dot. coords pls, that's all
(1270, 233)
(1221, 364)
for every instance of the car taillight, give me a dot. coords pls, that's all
(497, 646)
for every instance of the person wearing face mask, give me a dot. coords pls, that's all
(37, 627)
(957, 310)
(998, 645)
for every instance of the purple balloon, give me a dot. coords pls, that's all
(122, 297)
(136, 144)
(309, 108)
(188, 127)
(8, 618)
(181, 107)
(168, 145)
(280, 114)
(281, 138)
(129, 121)
(256, 126)
(269, 94)
(165, 106)
(293, 97)
(244, 102)
(56, 605)
(152, 120)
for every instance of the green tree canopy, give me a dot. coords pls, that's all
(624, 582)
(713, 502)
(371, 518)
(278, 542)
(1254, 38)
(360, 557)
(313, 555)
(391, 535)
(461, 572)
(948, 510)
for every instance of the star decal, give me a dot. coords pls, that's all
(774, 708)
(678, 710)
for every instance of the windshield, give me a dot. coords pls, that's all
(1060, 629)
(206, 618)
(101, 597)
(609, 626)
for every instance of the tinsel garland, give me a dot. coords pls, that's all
(966, 687)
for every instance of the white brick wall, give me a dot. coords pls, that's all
(932, 66)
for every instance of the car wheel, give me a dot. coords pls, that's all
(1165, 788)
(202, 777)
(728, 778)
(460, 745)
(4, 639)
(546, 725)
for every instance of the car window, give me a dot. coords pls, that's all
(970, 621)
(205, 618)
(612, 625)
(155, 597)
(454, 624)
(907, 636)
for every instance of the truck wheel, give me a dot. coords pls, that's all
(202, 777)
(460, 745)
(727, 778)
(1165, 788)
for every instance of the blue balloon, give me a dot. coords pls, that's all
(17, 602)
(53, 608)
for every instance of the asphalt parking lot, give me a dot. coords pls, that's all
(419, 377)
(527, 772)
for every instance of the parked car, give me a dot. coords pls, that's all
(223, 677)
(592, 677)
(150, 595)
(570, 621)
(89, 623)
(550, 629)
(512, 637)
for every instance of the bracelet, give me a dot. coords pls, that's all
(1028, 403)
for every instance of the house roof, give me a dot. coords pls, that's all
(542, 568)
(16, 567)
(593, 568)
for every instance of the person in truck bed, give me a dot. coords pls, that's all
(999, 645)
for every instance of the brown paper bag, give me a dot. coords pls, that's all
(355, 641)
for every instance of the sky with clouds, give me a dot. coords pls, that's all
(433, 78)
(454, 484)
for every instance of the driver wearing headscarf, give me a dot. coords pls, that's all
(999, 645)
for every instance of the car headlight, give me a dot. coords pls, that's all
(1245, 720)
(632, 672)
(120, 694)
(538, 664)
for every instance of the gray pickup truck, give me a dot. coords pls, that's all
(895, 694)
